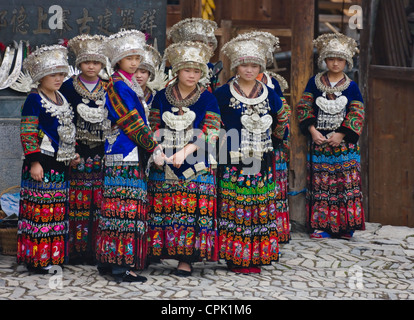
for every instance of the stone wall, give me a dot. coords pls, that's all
(10, 153)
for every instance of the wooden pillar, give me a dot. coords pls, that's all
(369, 8)
(225, 35)
(190, 9)
(303, 32)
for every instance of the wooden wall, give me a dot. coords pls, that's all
(388, 140)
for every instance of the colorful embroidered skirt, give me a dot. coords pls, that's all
(182, 217)
(85, 197)
(282, 201)
(43, 217)
(334, 198)
(248, 230)
(121, 231)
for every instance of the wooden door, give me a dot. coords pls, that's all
(390, 122)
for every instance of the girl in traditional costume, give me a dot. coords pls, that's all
(198, 30)
(121, 240)
(279, 85)
(331, 113)
(86, 93)
(186, 118)
(146, 74)
(48, 140)
(255, 122)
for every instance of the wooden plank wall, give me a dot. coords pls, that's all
(391, 145)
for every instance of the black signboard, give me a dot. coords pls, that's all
(49, 21)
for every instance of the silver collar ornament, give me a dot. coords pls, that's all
(66, 129)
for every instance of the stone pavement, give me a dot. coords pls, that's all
(377, 264)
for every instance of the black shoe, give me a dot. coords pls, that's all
(183, 273)
(104, 270)
(128, 277)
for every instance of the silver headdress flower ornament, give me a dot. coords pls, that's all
(336, 45)
(244, 49)
(188, 54)
(123, 44)
(271, 40)
(194, 29)
(47, 60)
(88, 48)
(151, 61)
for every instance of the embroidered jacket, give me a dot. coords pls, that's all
(126, 111)
(277, 87)
(207, 125)
(231, 117)
(352, 125)
(84, 131)
(37, 125)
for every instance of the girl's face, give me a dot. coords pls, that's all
(142, 76)
(52, 82)
(189, 76)
(248, 71)
(336, 65)
(129, 64)
(90, 69)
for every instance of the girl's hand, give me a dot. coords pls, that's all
(75, 161)
(159, 157)
(317, 137)
(178, 158)
(336, 139)
(36, 171)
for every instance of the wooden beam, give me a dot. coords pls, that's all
(303, 26)
(276, 32)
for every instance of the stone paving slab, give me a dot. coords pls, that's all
(377, 264)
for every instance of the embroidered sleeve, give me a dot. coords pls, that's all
(131, 122)
(211, 127)
(155, 119)
(354, 122)
(134, 127)
(29, 134)
(283, 116)
(305, 111)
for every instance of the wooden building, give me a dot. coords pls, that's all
(385, 76)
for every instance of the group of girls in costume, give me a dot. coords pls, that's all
(122, 176)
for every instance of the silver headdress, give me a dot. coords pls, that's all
(244, 49)
(335, 45)
(150, 61)
(47, 60)
(88, 48)
(188, 54)
(194, 29)
(123, 44)
(271, 40)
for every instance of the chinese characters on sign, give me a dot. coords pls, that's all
(45, 23)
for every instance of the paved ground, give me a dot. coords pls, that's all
(377, 264)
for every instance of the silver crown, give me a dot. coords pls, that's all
(194, 29)
(335, 45)
(123, 44)
(188, 54)
(87, 48)
(271, 40)
(47, 60)
(151, 61)
(244, 49)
